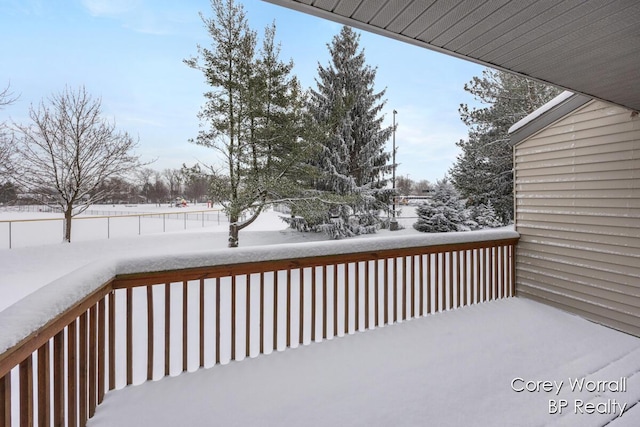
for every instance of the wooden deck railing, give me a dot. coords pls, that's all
(143, 326)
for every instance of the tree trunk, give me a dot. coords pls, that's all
(66, 228)
(233, 231)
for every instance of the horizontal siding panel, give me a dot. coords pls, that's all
(597, 260)
(523, 226)
(525, 201)
(588, 193)
(585, 138)
(625, 169)
(622, 145)
(581, 309)
(604, 161)
(612, 212)
(577, 185)
(627, 222)
(618, 312)
(619, 284)
(585, 236)
(572, 285)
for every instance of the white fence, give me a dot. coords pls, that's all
(34, 232)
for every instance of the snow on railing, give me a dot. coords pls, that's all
(121, 322)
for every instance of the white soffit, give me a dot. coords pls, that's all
(589, 47)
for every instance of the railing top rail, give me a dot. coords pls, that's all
(38, 311)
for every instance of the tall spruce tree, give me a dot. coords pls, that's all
(483, 171)
(252, 115)
(352, 161)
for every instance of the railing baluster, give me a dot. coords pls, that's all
(436, 297)
(247, 334)
(324, 302)
(262, 312)
(58, 379)
(335, 300)
(26, 392)
(288, 309)
(185, 326)
(413, 285)
(313, 303)
(421, 284)
(129, 303)
(93, 369)
(150, 318)
(395, 289)
(72, 374)
(512, 269)
(503, 288)
(357, 296)
(346, 298)
(367, 265)
(44, 376)
(167, 329)
(275, 310)
(112, 340)
(405, 266)
(216, 283)
(376, 289)
(233, 317)
(201, 318)
(5, 400)
(301, 309)
(465, 281)
(386, 290)
(82, 370)
(101, 348)
(429, 298)
(450, 280)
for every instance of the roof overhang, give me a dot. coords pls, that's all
(588, 47)
(547, 114)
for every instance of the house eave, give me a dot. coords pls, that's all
(519, 133)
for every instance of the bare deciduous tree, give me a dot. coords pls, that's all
(6, 148)
(68, 150)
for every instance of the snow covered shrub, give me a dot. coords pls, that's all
(444, 212)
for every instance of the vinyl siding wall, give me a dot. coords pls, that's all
(577, 197)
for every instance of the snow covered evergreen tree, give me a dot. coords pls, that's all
(444, 212)
(345, 111)
(485, 216)
(483, 171)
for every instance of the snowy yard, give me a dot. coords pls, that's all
(466, 366)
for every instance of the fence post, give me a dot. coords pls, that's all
(9, 234)
(108, 227)
(139, 225)
(164, 220)
(185, 220)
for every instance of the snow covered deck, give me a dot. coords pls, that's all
(331, 333)
(458, 368)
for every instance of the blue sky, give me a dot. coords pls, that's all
(130, 52)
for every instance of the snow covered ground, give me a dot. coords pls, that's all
(461, 367)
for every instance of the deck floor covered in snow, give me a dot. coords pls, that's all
(458, 368)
